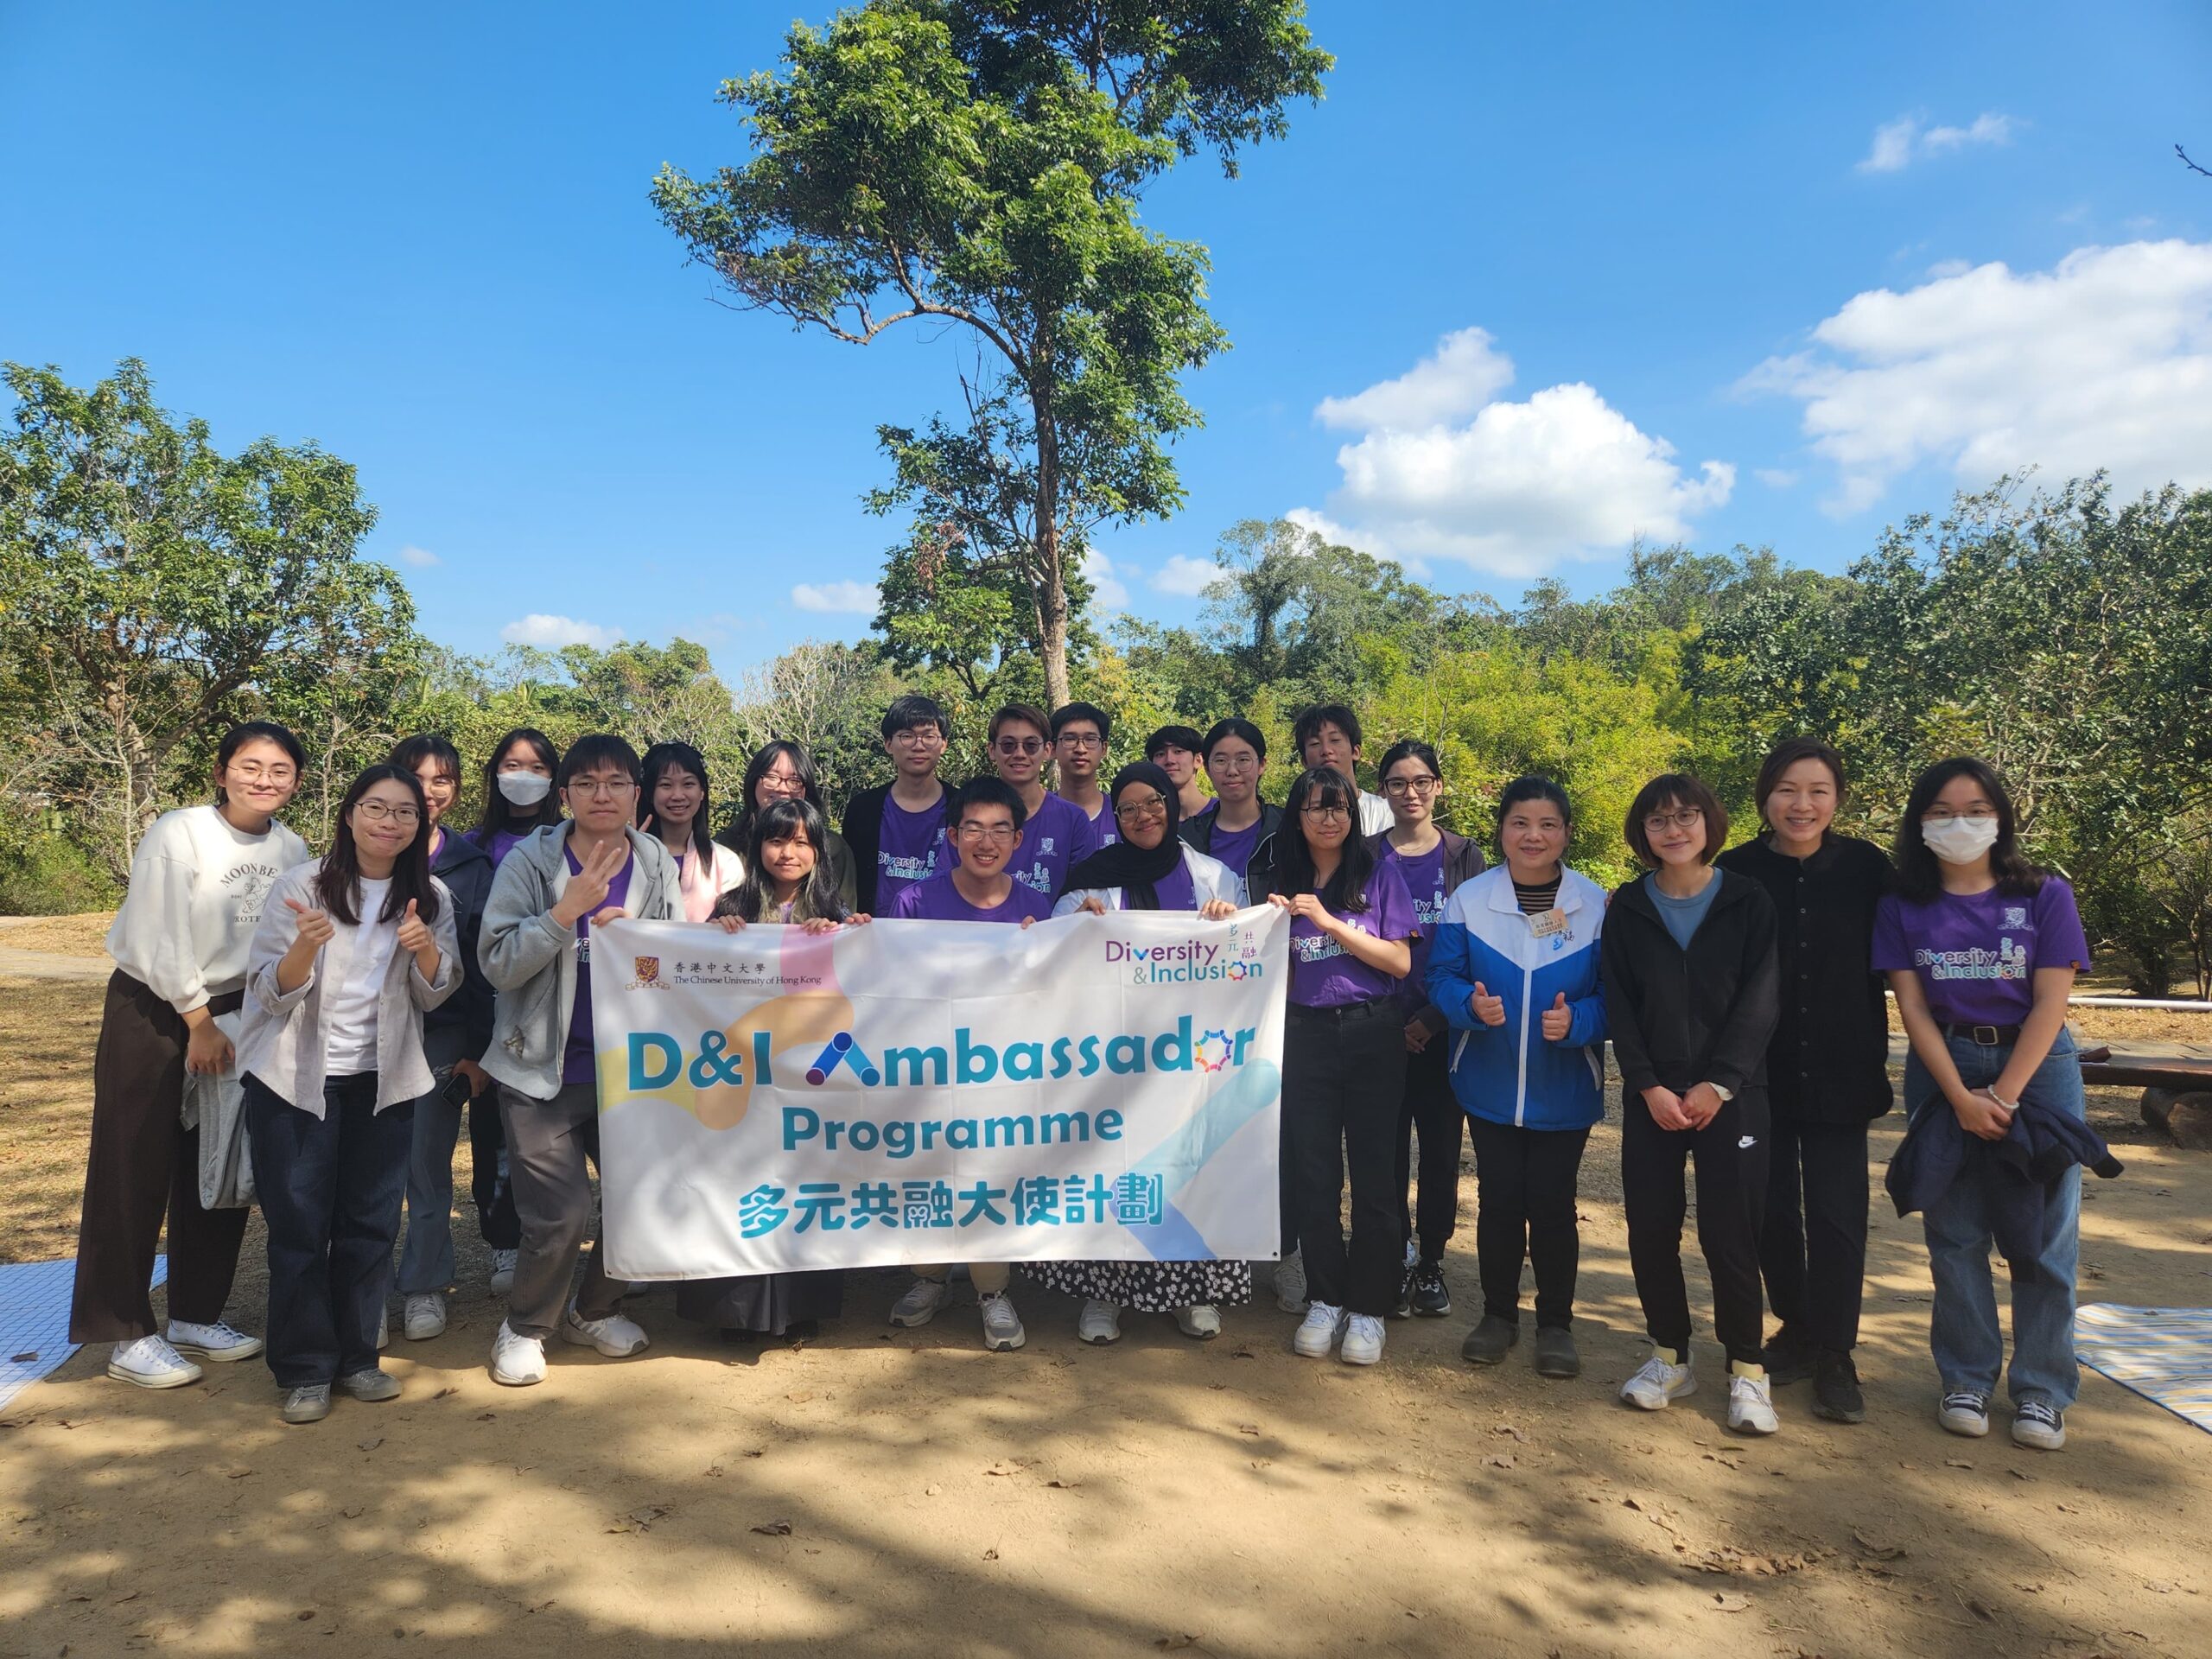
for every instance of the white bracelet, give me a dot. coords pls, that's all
(2009, 1105)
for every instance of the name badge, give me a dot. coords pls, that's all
(1552, 921)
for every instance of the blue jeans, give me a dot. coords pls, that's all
(426, 1261)
(329, 1189)
(1963, 1332)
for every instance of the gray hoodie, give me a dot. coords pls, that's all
(530, 959)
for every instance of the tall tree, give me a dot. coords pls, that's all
(980, 163)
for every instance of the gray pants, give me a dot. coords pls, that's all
(548, 1142)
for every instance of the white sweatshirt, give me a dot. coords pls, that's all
(196, 889)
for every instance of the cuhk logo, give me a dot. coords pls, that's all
(648, 970)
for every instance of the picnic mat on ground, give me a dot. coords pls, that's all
(35, 1321)
(2163, 1353)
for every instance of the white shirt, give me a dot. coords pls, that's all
(354, 966)
(197, 882)
(1375, 814)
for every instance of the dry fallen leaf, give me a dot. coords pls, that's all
(990, 1554)
(1248, 1428)
(1519, 1434)
(370, 1445)
(774, 1529)
(1877, 1548)
(801, 1397)
(1063, 1485)
(1499, 1460)
(1956, 1463)
(1727, 1604)
(1176, 1644)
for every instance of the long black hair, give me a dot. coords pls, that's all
(1347, 889)
(757, 769)
(338, 883)
(1920, 873)
(502, 814)
(753, 899)
(245, 733)
(681, 756)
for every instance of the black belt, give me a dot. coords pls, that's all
(1988, 1036)
(1338, 1012)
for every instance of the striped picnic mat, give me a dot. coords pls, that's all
(2163, 1353)
(34, 1319)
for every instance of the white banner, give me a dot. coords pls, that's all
(925, 1092)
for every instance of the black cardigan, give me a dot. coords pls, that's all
(1829, 1062)
(1259, 874)
(1679, 1018)
(864, 835)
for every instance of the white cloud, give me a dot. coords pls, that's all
(1184, 574)
(859, 598)
(1516, 488)
(421, 557)
(1462, 374)
(2105, 362)
(551, 632)
(1900, 142)
(1108, 591)
(1774, 478)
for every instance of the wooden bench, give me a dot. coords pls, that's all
(2176, 1079)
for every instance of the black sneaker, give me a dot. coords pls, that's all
(1835, 1388)
(1487, 1343)
(1789, 1358)
(1431, 1299)
(1403, 1308)
(1555, 1352)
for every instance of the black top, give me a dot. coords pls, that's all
(465, 869)
(1683, 1017)
(1830, 1060)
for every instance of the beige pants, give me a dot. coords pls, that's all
(990, 1278)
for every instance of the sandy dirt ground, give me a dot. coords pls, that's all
(879, 1491)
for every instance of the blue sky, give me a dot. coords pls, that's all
(420, 235)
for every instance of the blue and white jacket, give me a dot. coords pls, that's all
(1510, 1073)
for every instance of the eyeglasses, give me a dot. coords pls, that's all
(1944, 815)
(1144, 806)
(920, 737)
(1402, 787)
(1689, 818)
(782, 783)
(998, 834)
(1327, 814)
(1233, 763)
(1020, 745)
(601, 786)
(378, 812)
(1080, 740)
(253, 772)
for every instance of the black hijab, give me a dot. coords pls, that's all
(1137, 871)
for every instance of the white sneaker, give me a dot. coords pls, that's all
(1290, 1283)
(1750, 1406)
(503, 1271)
(217, 1341)
(151, 1364)
(614, 1336)
(1100, 1322)
(1363, 1344)
(1658, 1384)
(516, 1360)
(424, 1317)
(1322, 1325)
(1965, 1411)
(1202, 1322)
(1001, 1325)
(920, 1303)
(2039, 1424)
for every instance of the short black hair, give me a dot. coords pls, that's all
(986, 791)
(1676, 789)
(1408, 748)
(1028, 712)
(1235, 727)
(409, 753)
(267, 731)
(1325, 714)
(1089, 711)
(595, 750)
(1786, 754)
(1180, 737)
(914, 709)
(1531, 786)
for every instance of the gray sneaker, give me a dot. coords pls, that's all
(1001, 1325)
(375, 1383)
(308, 1405)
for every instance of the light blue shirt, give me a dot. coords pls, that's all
(1682, 916)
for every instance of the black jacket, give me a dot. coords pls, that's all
(864, 840)
(1463, 862)
(1260, 874)
(1679, 1018)
(1829, 1061)
(465, 868)
(2019, 1174)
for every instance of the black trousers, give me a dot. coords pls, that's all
(144, 1163)
(1813, 1243)
(1344, 1072)
(1730, 1157)
(1524, 1187)
(1429, 1107)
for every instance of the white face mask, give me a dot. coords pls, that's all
(524, 788)
(1960, 840)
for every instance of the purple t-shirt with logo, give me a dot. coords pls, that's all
(1105, 829)
(1424, 877)
(1977, 953)
(912, 848)
(1055, 838)
(1323, 974)
(577, 1062)
(1233, 847)
(937, 900)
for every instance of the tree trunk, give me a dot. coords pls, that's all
(1049, 581)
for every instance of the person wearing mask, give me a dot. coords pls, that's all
(897, 831)
(1149, 868)
(673, 805)
(1515, 969)
(1691, 988)
(554, 889)
(351, 951)
(518, 795)
(455, 1036)
(1328, 735)
(1080, 731)
(1982, 949)
(784, 770)
(1827, 1069)
(1241, 830)
(198, 882)
(1343, 1062)
(989, 816)
(1434, 863)
(1178, 750)
(1055, 834)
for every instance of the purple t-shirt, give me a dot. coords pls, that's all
(1976, 954)
(1175, 890)
(501, 843)
(1323, 974)
(1233, 847)
(1105, 827)
(1055, 838)
(912, 848)
(1423, 874)
(577, 1062)
(937, 900)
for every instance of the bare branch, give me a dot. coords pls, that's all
(2190, 165)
